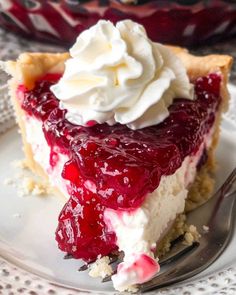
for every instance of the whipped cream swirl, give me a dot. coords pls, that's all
(117, 75)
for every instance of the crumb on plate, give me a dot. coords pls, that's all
(101, 268)
(191, 235)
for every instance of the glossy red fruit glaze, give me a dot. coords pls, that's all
(40, 101)
(114, 166)
(81, 230)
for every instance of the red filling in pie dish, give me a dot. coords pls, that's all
(196, 22)
(114, 166)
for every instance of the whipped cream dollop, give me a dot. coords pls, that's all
(116, 74)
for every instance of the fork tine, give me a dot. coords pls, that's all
(108, 278)
(115, 257)
(68, 256)
(228, 184)
(178, 251)
(83, 267)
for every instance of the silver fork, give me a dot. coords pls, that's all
(183, 261)
(218, 215)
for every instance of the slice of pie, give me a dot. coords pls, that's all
(124, 187)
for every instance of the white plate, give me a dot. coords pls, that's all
(27, 226)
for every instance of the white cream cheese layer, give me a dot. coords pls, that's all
(117, 74)
(137, 231)
(41, 154)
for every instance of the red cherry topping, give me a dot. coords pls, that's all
(114, 166)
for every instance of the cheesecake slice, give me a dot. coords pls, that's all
(124, 189)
